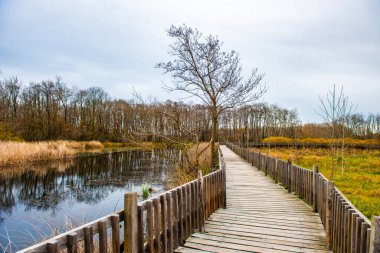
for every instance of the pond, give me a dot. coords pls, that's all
(41, 198)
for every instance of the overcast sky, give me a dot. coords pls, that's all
(303, 47)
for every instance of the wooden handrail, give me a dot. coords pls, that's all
(159, 224)
(347, 229)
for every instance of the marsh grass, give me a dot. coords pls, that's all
(198, 160)
(360, 181)
(21, 152)
(145, 190)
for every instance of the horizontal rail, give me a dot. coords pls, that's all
(159, 224)
(347, 229)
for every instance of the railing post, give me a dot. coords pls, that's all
(315, 173)
(276, 171)
(374, 244)
(329, 204)
(289, 176)
(266, 163)
(130, 222)
(259, 160)
(201, 203)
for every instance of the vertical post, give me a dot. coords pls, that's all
(72, 244)
(52, 247)
(170, 221)
(276, 171)
(289, 176)
(102, 229)
(259, 160)
(315, 174)
(157, 223)
(374, 243)
(115, 233)
(329, 201)
(224, 186)
(266, 163)
(88, 240)
(164, 236)
(201, 203)
(130, 222)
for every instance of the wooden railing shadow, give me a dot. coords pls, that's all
(347, 229)
(159, 224)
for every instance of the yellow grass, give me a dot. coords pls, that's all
(360, 181)
(21, 152)
(198, 161)
(348, 141)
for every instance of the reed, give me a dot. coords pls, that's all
(145, 189)
(21, 152)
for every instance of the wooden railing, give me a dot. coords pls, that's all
(347, 229)
(159, 224)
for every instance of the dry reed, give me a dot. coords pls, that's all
(199, 158)
(20, 152)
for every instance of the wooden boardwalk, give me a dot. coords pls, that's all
(261, 216)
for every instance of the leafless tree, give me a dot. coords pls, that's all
(335, 109)
(203, 70)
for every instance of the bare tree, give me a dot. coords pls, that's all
(201, 69)
(335, 109)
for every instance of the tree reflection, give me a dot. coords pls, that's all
(88, 179)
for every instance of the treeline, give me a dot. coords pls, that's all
(50, 110)
(254, 123)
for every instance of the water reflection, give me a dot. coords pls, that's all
(54, 187)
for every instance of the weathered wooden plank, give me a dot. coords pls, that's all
(259, 244)
(164, 236)
(103, 245)
(130, 223)
(149, 226)
(88, 240)
(157, 225)
(72, 243)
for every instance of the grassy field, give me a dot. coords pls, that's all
(360, 181)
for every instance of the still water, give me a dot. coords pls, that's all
(37, 199)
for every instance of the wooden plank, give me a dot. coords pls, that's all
(72, 243)
(363, 239)
(353, 231)
(193, 205)
(181, 232)
(103, 245)
(169, 202)
(164, 235)
(130, 222)
(224, 246)
(375, 235)
(201, 203)
(88, 240)
(255, 244)
(157, 225)
(52, 247)
(140, 228)
(175, 219)
(271, 239)
(149, 226)
(115, 228)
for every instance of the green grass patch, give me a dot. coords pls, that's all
(360, 181)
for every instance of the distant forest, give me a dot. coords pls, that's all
(50, 110)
